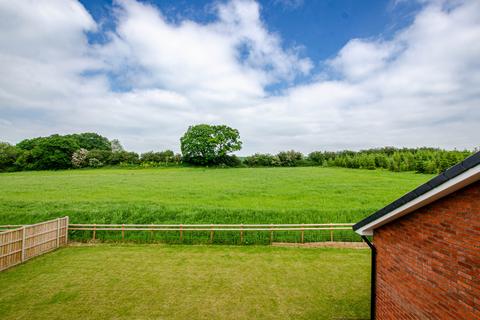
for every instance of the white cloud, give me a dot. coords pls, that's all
(43, 51)
(422, 87)
(202, 61)
(360, 59)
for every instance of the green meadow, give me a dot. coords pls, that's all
(201, 195)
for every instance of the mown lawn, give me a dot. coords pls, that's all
(196, 195)
(188, 282)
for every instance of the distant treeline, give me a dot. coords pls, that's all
(76, 151)
(93, 150)
(422, 160)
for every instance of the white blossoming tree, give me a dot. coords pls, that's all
(80, 158)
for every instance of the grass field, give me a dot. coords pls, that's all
(188, 282)
(195, 195)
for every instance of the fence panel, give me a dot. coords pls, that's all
(11, 248)
(26, 242)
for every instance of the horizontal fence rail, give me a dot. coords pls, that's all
(11, 226)
(20, 243)
(212, 228)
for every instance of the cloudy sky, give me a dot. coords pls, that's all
(289, 74)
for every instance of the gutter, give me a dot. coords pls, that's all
(373, 277)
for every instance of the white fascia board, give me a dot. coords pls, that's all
(440, 191)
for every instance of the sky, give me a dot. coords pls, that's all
(288, 74)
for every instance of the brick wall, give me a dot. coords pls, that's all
(428, 262)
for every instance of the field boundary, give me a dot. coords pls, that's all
(22, 243)
(212, 228)
(19, 243)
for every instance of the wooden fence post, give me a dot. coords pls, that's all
(123, 232)
(271, 233)
(67, 222)
(23, 243)
(181, 233)
(94, 231)
(331, 233)
(241, 234)
(58, 232)
(303, 234)
(211, 233)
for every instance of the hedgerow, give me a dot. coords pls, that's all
(93, 150)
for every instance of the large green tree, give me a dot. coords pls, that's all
(91, 140)
(205, 144)
(53, 152)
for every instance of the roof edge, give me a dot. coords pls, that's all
(467, 171)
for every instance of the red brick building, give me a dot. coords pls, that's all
(426, 249)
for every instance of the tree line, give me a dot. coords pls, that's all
(76, 151)
(421, 160)
(209, 145)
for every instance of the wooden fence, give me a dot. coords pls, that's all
(212, 228)
(20, 243)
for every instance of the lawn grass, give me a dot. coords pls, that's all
(189, 282)
(196, 195)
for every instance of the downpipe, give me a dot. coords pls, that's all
(373, 277)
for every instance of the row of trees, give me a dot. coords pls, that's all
(212, 145)
(208, 145)
(76, 151)
(422, 160)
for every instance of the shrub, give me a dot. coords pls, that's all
(289, 158)
(229, 161)
(80, 158)
(150, 164)
(165, 157)
(95, 163)
(261, 160)
(317, 157)
(125, 157)
(104, 156)
(177, 158)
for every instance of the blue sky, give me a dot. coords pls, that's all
(319, 28)
(289, 74)
(322, 27)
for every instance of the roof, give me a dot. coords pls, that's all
(451, 180)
